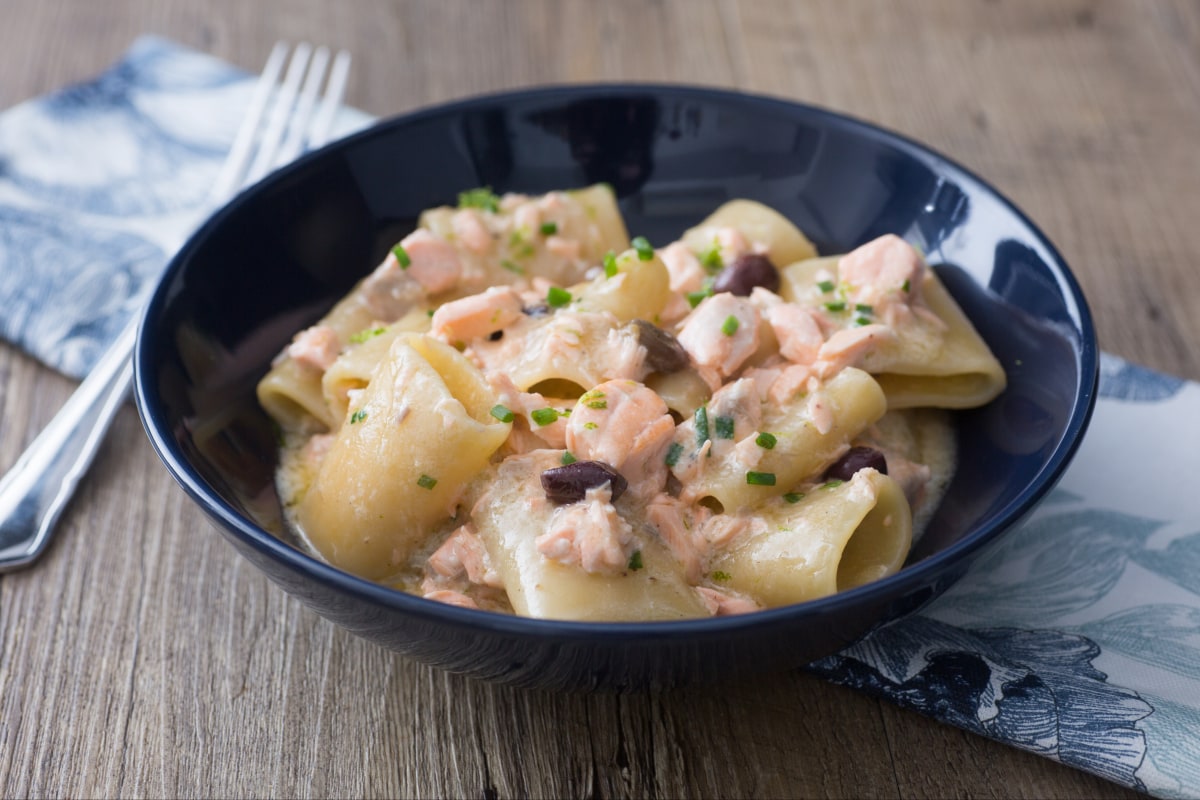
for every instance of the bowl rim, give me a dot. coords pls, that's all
(899, 584)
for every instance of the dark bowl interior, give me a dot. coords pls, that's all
(279, 255)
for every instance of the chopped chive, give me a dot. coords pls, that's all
(760, 478)
(860, 321)
(723, 427)
(610, 264)
(635, 561)
(825, 286)
(358, 416)
(429, 312)
(833, 484)
(511, 267)
(590, 426)
(864, 308)
(720, 576)
(710, 259)
(673, 454)
(402, 257)
(549, 228)
(694, 298)
(794, 497)
(836, 305)
(557, 297)
(502, 413)
(567, 458)
(730, 325)
(543, 416)
(907, 285)
(364, 335)
(426, 481)
(483, 198)
(766, 440)
(644, 251)
(701, 420)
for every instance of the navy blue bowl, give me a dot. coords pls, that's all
(279, 255)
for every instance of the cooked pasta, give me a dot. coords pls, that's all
(522, 410)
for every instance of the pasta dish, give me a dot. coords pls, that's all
(523, 410)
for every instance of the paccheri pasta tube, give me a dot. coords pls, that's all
(522, 410)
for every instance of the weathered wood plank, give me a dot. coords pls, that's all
(142, 657)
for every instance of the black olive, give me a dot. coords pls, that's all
(747, 271)
(569, 483)
(495, 336)
(856, 458)
(664, 353)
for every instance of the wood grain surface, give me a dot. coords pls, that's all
(143, 658)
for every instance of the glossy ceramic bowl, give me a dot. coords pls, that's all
(279, 255)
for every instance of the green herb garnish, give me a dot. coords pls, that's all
(701, 420)
(825, 286)
(720, 576)
(644, 251)
(483, 198)
(543, 416)
(760, 478)
(511, 267)
(723, 427)
(836, 305)
(833, 484)
(730, 325)
(557, 297)
(710, 259)
(549, 228)
(610, 264)
(673, 454)
(402, 257)
(502, 413)
(766, 440)
(567, 458)
(635, 561)
(364, 335)
(906, 286)
(694, 298)
(794, 497)
(426, 481)
(358, 416)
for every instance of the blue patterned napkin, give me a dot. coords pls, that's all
(1076, 637)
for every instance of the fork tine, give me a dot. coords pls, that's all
(305, 103)
(323, 125)
(230, 177)
(269, 143)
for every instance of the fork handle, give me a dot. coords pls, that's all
(38, 487)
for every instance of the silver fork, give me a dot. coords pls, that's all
(38, 487)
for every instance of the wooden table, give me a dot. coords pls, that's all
(143, 657)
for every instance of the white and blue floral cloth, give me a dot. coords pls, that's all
(1076, 636)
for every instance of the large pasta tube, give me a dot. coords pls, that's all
(291, 394)
(803, 444)
(761, 224)
(509, 518)
(586, 224)
(833, 539)
(635, 289)
(420, 431)
(936, 359)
